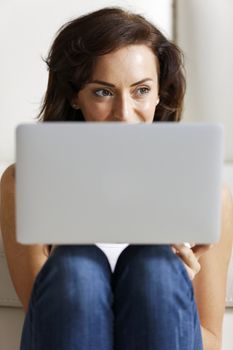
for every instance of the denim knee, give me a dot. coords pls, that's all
(154, 274)
(75, 274)
(71, 303)
(154, 303)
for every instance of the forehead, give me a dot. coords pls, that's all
(129, 61)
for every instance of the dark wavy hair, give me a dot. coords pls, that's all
(78, 43)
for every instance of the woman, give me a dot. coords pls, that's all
(112, 65)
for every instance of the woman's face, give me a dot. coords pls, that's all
(124, 87)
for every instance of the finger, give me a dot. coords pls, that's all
(188, 256)
(173, 249)
(190, 272)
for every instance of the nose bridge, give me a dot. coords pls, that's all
(123, 109)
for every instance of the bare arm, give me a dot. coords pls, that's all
(24, 261)
(210, 283)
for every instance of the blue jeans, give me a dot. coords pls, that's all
(78, 303)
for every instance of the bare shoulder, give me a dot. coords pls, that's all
(8, 178)
(7, 191)
(7, 201)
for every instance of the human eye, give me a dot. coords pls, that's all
(102, 93)
(143, 90)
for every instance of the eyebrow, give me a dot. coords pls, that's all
(101, 82)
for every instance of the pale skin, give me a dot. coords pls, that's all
(124, 87)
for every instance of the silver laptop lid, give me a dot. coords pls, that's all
(117, 182)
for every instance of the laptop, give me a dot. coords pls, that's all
(111, 182)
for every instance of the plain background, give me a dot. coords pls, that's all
(204, 32)
(202, 29)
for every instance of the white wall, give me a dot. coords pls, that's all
(204, 32)
(27, 28)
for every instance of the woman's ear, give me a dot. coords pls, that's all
(157, 102)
